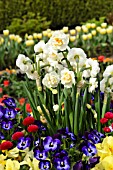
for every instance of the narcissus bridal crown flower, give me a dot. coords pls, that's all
(67, 78)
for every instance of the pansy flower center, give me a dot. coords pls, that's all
(40, 155)
(89, 150)
(23, 143)
(44, 166)
(9, 113)
(6, 125)
(51, 144)
(62, 164)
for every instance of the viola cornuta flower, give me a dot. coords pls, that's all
(89, 149)
(10, 113)
(1, 111)
(40, 154)
(62, 163)
(44, 165)
(9, 102)
(23, 143)
(7, 125)
(1, 136)
(51, 144)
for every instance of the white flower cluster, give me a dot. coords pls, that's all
(61, 64)
(106, 85)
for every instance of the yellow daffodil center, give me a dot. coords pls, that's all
(67, 77)
(58, 41)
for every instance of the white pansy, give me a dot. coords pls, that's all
(67, 78)
(76, 55)
(39, 47)
(93, 84)
(23, 62)
(59, 41)
(56, 107)
(93, 70)
(51, 80)
(108, 71)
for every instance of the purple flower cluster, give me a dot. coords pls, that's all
(7, 115)
(52, 147)
(89, 149)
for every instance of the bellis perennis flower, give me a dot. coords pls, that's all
(28, 121)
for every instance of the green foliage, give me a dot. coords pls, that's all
(28, 24)
(94, 20)
(32, 16)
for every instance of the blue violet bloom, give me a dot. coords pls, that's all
(1, 136)
(10, 113)
(62, 163)
(51, 144)
(44, 165)
(40, 154)
(1, 111)
(7, 125)
(89, 149)
(23, 143)
(9, 102)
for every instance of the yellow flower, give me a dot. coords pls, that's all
(78, 28)
(12, 36)
(65, 29)
(93, 25)
(107, 163)
(93, 32)
(88, 25)
(13, 153)
(102, 31)
(12, 165)
(72, 38)
(6, 32)
(39, 35)
(45, 33)
(72, 32)
(35, 35)
(84, 37)
(29, 42)
(104, 25)
(30, 37)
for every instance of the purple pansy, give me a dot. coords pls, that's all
(62, 163)
(51, 144)
(10, 113)
(44, 165)
(23, 143)
(1, 136)
(40, 154)
(89, 149)
(1, 111)
(7, 125)
(9, 102)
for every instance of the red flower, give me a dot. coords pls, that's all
(17, 109)
(103, 120)
(6, 145)
(1, 89)
(28, 121)
(28, 108)
(32, 128)
(17, 135)
(22, 101)
(108, 115)
(101, 58)
(6, 83)
(106, 129)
